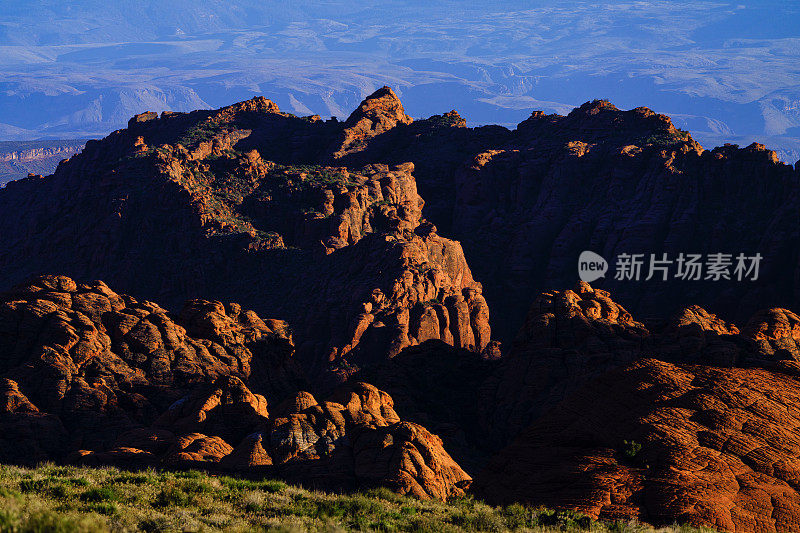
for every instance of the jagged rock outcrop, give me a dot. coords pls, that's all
(28, 435)
(357, 433)
(436, 385)
(587, 174)
(697, 335)
(574, 336)
(227, 410)
(688, 420)
(92, 376)
(354, 439)
(606, 180)
(777, 333)
(568, 338)
(377, 114)
(243, 185)
(102, 363)
(233, 204)
(618, 182)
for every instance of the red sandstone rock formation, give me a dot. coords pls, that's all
(719, 448)
(377, 114)
(572, 337)
(123, 382)
(712, 418)
(323, 224)
(353, 439)
(103, 362)
(224, 204)
(606, 180)
(568, 338)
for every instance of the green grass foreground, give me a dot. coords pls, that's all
(54, 498)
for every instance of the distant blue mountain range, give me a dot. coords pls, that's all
(727, 72)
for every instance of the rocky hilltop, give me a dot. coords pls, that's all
(606, 180)
(659, 401)
(219, 204)
(599, 178)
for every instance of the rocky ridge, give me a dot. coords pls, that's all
(607, 180)
(572, 337)
(662, 442)
(216, 387)
(213, 207)
(599, 178)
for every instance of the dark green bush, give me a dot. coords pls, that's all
(195, 486)
(133, 479)
(190, 474)
(104, 508)
(32, 485)
(97, 495)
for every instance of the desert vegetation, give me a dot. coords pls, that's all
(67, 498)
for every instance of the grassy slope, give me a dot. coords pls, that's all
(57, 498)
